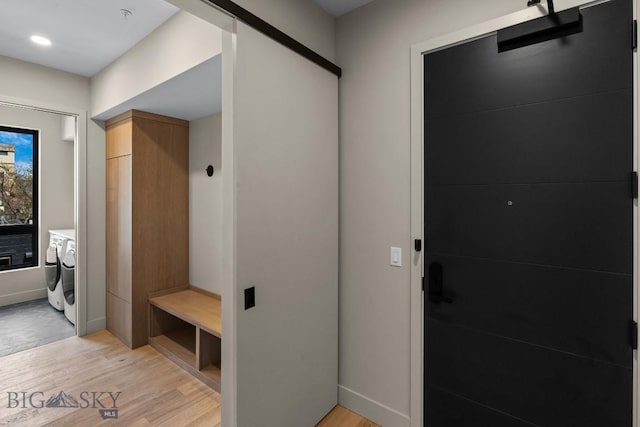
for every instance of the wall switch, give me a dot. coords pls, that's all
(396, 257)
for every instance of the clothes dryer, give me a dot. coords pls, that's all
(53, 267)
(68, 281)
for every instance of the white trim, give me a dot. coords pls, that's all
(374, 411)
(208, 12)
(416, 335)
(80, 209)
(20, 270)
(417, 52)
(636, 213)
(25, 296)
(229, 285)
(80, 195)
(96, 325)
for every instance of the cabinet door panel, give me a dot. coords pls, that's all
(118, 241)
(119, 318)
(119, 142)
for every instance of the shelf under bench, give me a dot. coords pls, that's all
(186, 327)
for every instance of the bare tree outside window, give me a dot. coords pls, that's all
(18, 197)
(16, 200)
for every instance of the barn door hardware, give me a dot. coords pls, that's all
(552, 26)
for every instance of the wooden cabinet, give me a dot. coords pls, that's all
(186, 326)
(147, 218)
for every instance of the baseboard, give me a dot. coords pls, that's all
(96, 325)
(370, 409)
(23, 296)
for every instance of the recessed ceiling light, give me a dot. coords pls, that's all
(42, 41)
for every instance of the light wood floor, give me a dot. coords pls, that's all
(341, 417)
(154, 391)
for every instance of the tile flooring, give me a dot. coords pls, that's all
(31, 324)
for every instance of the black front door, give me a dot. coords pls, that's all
(529, 229)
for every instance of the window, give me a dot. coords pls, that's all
(18, 198)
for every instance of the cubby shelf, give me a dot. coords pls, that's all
(186, 327)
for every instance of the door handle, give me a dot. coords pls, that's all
(436, 279)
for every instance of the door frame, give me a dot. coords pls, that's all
(79, 196)
(418, 50)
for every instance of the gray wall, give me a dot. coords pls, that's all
(373, 49)
(205, 203)
(56, 197)
(304, 20)
(42, 84)
(285, 149)
(177, 45)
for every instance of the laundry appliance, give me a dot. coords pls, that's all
(68, 281)
(53, 265)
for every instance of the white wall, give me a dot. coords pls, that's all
(178, 45)
(373, 49)
(205, 203)
(285, 149)
(56, 197)
(304, 20)
(41, 84)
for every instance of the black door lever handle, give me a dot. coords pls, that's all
(436, 279)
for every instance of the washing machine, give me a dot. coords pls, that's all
(68, 281)
(53, 266)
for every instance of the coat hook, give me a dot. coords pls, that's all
(210, 170)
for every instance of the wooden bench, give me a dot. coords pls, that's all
(186, 327)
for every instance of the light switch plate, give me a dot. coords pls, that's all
(396, 257)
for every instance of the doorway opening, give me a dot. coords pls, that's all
(38, 217)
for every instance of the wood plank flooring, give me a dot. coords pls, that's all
(341, 417)
(154, 391)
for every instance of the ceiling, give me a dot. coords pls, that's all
(86, 35)
(191, 95)
(340, 7)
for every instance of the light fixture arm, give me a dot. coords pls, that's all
(550, 6)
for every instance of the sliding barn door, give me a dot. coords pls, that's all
(286, 165)
(529, 229)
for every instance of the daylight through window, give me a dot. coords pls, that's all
(18, 198)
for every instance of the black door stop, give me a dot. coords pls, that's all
(552, 26)
(550, 7)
